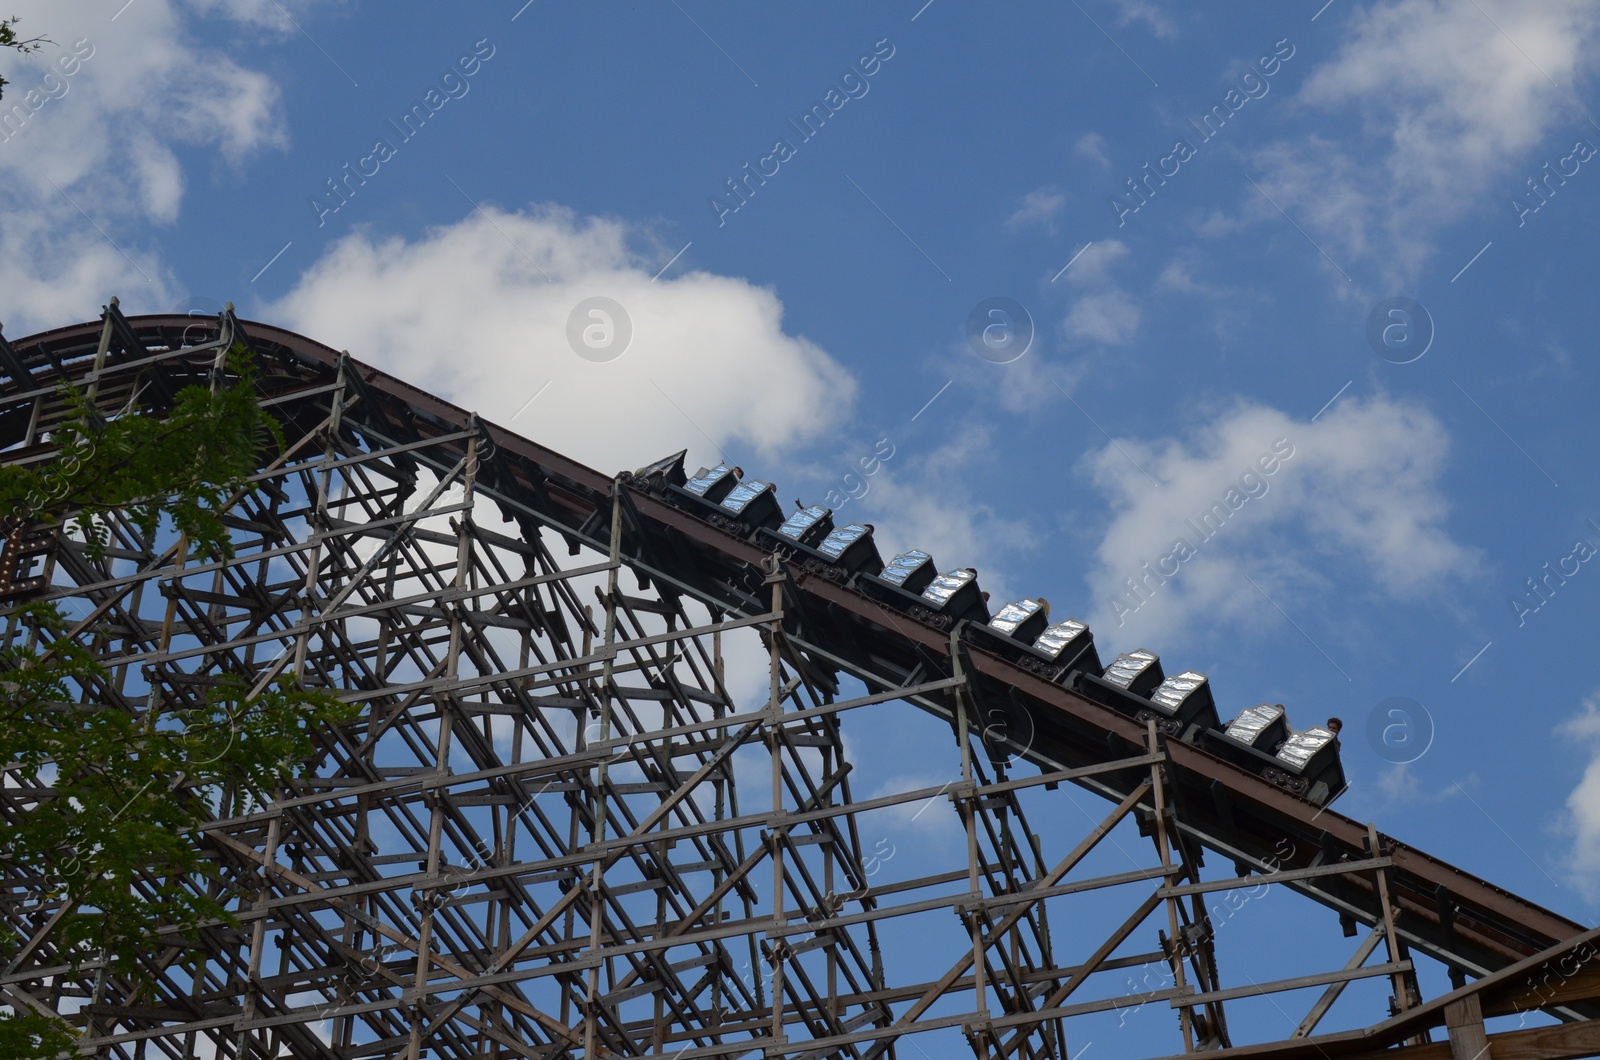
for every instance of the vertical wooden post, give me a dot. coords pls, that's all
(969, 821)
(1464, 1020)
(607, 670)
(1402, 991)
(776, 837)
(1170, 877)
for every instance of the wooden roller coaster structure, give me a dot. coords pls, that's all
(535, 842)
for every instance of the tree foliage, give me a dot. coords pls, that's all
(23, 45)
(113, 833)
(182, 467)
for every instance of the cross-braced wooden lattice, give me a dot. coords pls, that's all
(532, 843)
(554, 832)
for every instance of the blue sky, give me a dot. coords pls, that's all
(1370, 151)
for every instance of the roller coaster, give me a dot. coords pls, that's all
(557, 831)
(1305, 763)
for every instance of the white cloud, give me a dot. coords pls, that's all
(1397, 788)
(1038, 209)
(1109, 317)
(1107, 314)
(53, 265)
(922, 502)
(235, 108)
(159, 179)
(1399, 785)
(87, 157)
(141, 78)
(280, 16)
(1178, 275)
(1225, 307)
(1092, 146)
(478, 311)
(1583, 805)
(1451, 107)
(1033, 382)
(1095, 261)
(1147, 12)
(1358, 493)
(931, 821)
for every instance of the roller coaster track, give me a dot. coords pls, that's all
(620, 927)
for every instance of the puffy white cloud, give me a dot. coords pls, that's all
(1035, 381)
(1094, 262)
(87, 166)
(1151, 15)
(478, 311)
(921, 501)
(1107, 314)
(1359, 487)
(1038, 209)
(1452, 98)
(87, 131)
(1178, 275)
(140, 78)
(1109, 317)
(159, 179)
(1092, 146)
(235, 108)
(55, 267)
(926, 826)
(1583, 805)
(280, 16)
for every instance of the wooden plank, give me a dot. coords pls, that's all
(1344, 975)
(1329, 996)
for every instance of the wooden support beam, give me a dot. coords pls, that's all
(1330, 995)
(1464, 1019)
